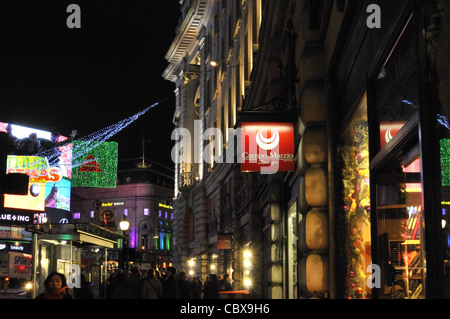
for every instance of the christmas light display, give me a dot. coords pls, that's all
(356, 197)
(445, 161)
(93, 140)
(98, 168)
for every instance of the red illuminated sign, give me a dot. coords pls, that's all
(388, 130)
(267, 147)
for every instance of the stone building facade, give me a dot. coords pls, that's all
(358, 81)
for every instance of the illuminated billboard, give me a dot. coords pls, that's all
(95, 164)
(47, 159)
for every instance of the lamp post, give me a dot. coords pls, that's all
(124, 225)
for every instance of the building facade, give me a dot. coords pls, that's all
(365, 209)
(143, 197)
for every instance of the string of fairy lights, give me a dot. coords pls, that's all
(93, 140)
(74, 153)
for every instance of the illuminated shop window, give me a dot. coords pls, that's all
(354, 155)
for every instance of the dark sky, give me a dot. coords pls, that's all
(58, 79)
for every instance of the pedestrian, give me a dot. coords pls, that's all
(211, 290)
(170, 287)
(55, 287)
(197, 288)
(151, 286)
(159, 277)
(84, 292)
(225, 284)
(184, 286)
(119, 287)
(134, 283)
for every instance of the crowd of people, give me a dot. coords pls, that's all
(171, 285)
(150, 284)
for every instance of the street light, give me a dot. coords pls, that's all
(124, 224)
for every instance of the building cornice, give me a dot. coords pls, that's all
(186, 37)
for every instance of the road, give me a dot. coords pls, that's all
(13, 293)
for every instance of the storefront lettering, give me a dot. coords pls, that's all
(13, 217)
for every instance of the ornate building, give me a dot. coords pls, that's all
(362, 84)
(143, 197)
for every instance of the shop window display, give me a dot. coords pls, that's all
(354, 155)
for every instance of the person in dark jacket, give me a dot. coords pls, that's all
(55, 287)
(170, 287)
(211, 290)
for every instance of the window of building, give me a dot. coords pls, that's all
(146, 211)
(144, 242)
(396, 171)
(76, 215)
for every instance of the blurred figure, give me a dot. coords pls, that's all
(84, 292)
(211, 290)
(11, 142)
(170, 286)
(225, 284)
(29, 145)
(151, 286)
(184, 286)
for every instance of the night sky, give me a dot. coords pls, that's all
(57, 79)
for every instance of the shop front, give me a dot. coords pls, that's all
(391, 164)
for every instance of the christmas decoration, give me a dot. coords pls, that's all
(356, 196)
(96, 169)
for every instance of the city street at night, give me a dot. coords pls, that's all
(224, 157)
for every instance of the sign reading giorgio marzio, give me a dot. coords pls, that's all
(267, 147)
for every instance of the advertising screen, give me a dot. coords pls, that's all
(47, 159)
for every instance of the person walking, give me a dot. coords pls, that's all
(225, 283)
(170, 287)
(55, 287)
(184, 286)
(151, 286)
(212, 288)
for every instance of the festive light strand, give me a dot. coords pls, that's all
(92, 140)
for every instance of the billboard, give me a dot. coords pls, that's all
(267, 147)
(96, 166)
(47, 159)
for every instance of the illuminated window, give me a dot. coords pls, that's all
(76, 215)
(125, 212)
(92, 214)
(146, 211)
